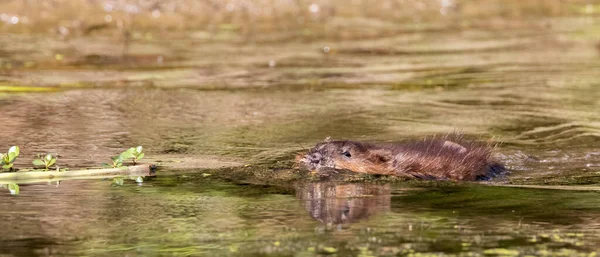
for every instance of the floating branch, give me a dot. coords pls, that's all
(43, 176)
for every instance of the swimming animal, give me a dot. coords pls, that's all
(448, 157)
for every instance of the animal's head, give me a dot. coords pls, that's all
(346, 155)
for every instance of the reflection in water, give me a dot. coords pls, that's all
(333, 203)
(197, 216)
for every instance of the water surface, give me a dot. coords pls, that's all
(246, 85)
(193, 215)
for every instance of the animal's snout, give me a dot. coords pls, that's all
(315, 158)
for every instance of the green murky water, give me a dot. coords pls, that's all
(247, 84)
(191, 215)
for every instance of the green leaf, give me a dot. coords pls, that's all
(126, 155)
(51, 162)
(14, 189)
(129, 152)
(13, 152)
(14, 149)
(139, 149)
(48, 157)
(7, 166)
(118, 181)
(140, 156)
(38, 162)
(11, 157)
(106, 165)
(117, 161)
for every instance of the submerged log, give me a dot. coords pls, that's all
(43, 176)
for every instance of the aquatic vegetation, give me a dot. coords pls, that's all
(13, 188)
(117, 161)
(134, 153)
(25, 89)
(49, 161)
(46, 160)
(8, 159)
(119, 181)
(501, 252)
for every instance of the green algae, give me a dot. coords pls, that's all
(25, 89)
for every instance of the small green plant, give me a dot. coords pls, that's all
(118, 181)
(13, 188)
(134, 153)
(7, 159)
(46, 160)
(117, 161)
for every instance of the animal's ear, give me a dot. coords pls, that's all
(380, 156)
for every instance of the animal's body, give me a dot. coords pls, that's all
(447, 157)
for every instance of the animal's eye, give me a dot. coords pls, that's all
(347, 154)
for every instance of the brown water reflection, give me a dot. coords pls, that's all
(332, 203)
(194, 215)
(545, 136)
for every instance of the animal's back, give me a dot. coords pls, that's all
(449, 157)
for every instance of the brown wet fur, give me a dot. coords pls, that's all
(448, 157)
